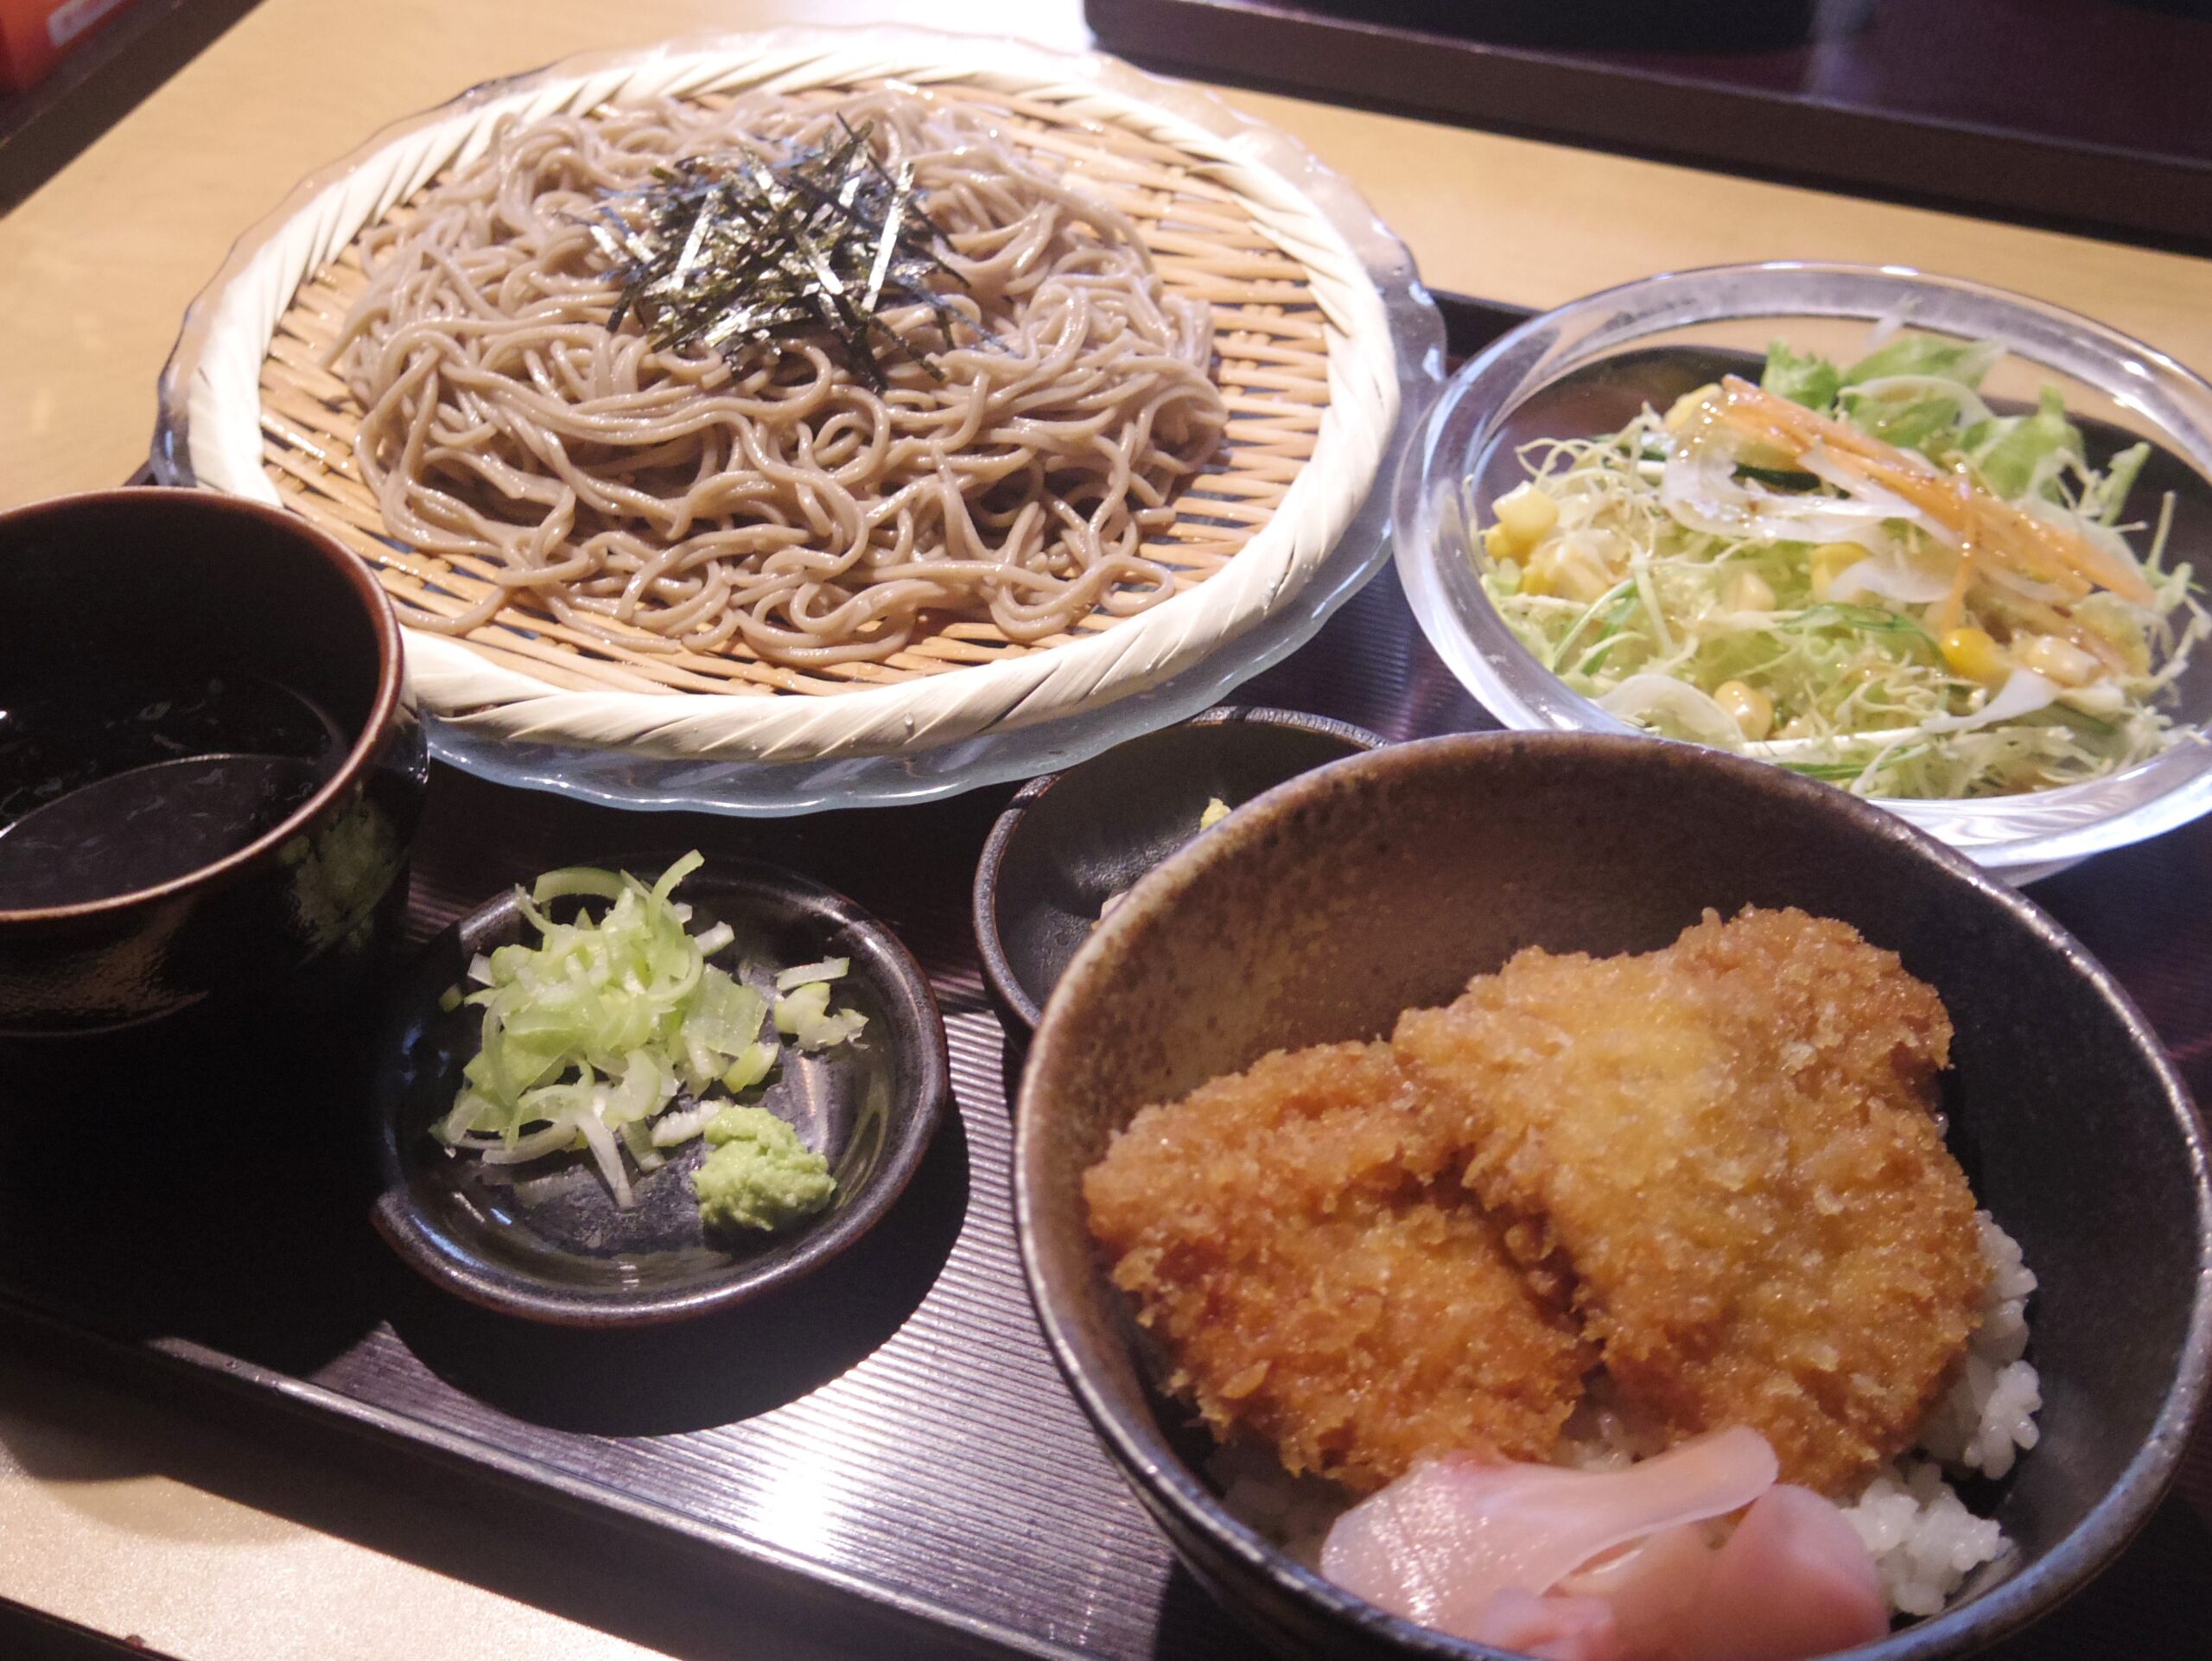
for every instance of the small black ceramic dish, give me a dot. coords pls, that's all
(544, 1240)
(1070, 842)
(1384, 881)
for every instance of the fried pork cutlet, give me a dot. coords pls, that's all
(1729, 1144)
(1294, 1237)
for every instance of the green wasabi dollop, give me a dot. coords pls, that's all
(758, 1174)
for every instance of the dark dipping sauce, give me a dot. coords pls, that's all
(112, 782)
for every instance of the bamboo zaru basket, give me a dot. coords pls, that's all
(1304, 356)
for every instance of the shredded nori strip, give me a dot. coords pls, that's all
(725, 253)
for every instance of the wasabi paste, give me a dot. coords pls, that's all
(758, 1174)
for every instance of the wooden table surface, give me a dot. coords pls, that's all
(136, 1522)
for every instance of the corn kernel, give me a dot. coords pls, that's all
(1748, 591)
(2061, 660)
(1680, 411)
(1971, 653)
(1527, 514)
(1751, 710)
(1830, 561)
(1563, 566)
(1498, 543)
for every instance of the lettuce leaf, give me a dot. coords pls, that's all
(1964, 361)
(1810, 380)
(2107, 500)
(1929, 424)
(2011, 450)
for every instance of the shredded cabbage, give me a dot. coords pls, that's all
(613, 1032)
(1798, 604)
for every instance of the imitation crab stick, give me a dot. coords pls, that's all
(1988, 526)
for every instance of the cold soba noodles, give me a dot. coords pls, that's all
(1029, 397)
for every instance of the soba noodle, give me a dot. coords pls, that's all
(779, 503)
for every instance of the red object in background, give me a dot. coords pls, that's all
(36, 35)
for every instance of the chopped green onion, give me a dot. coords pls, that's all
(750, 1068)
(829, 969)
(575, 880)
(590, 1036)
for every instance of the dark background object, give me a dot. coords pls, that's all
(99, 83)
(2086, 114)
(1381, 883)
(954, 1486)
(1704, 26)
(28, 1635)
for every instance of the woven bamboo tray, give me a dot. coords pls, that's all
(1305, 359)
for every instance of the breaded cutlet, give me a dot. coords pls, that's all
(1294, 1236)
(1730, 1144)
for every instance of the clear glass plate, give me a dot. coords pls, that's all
(1586, 367)
(620, 778)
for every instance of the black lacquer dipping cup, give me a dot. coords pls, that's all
(1318, 912)
(210, 773)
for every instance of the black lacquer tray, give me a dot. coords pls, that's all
(884, 1464)
(2086, 114)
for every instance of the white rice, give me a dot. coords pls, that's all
(1294, 1512)
(1924, 1540)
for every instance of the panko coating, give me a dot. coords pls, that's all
(1730, 1146)
(1297, 1236)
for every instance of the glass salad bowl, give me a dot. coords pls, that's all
(1588, 368)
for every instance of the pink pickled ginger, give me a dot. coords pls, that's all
(1440, 1542)
(1615, 1565)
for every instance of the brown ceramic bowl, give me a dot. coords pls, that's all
(1322, 909)
(205, 583)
